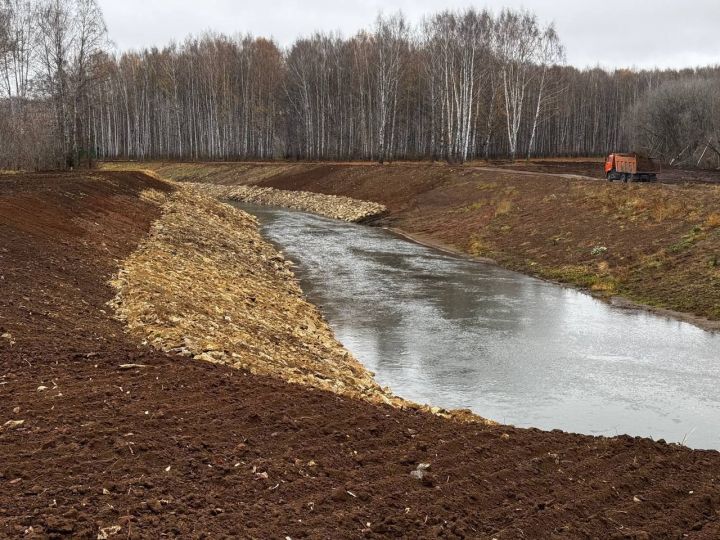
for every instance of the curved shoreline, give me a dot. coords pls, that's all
(330, 206)
(368, 213)
(661, 241)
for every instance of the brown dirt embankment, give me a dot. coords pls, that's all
(654, 244)
(102, 436)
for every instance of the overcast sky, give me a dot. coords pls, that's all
(609, 33)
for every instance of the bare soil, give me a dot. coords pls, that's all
(177, 447)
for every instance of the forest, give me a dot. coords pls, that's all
(456, 86)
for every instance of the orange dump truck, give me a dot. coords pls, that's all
(630, 168)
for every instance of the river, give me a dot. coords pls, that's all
(458, 333)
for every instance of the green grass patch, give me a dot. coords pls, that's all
(585, 277)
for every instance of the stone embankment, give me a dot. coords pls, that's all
(206, 285)
(332, 206)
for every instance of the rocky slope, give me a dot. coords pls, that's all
(332, 206)
(206, 285)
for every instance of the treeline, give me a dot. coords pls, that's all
(443, 90)
(459, 86)
(52, 52)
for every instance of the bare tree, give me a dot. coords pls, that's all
(679, 121)
(70, 39)
(459, 46)
(390, 45)
(25, 138)
(549, 53)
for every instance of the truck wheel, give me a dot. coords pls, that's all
(626, 177)
(609, 176)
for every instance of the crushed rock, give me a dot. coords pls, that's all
(332, 206)
(206, 285)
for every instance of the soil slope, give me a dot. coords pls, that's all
(655, 244)
(93, 447)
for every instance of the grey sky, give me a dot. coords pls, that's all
(610, 33)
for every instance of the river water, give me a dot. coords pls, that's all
(457, 333)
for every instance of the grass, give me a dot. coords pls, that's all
(478, 247)
(474, 207)
(596, 279)
(504, 207)
(712, 221)
(688, 240)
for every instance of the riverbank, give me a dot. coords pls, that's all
(617, 301)
(331, 206)
(205, 285)
(448, 331)
(101, 435)
(654, 245)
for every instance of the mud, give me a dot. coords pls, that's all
(121, 440)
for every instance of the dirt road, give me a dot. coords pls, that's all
(103, 437)
(593, 168)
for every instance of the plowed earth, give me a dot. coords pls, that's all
(173, 447)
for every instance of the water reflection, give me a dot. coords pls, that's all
(457, 333)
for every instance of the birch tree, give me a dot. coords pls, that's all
(390, 46)
(460, 54)
(70, 36)
(550, 52)
(17, 31)
(518, 40)
(461, 85)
